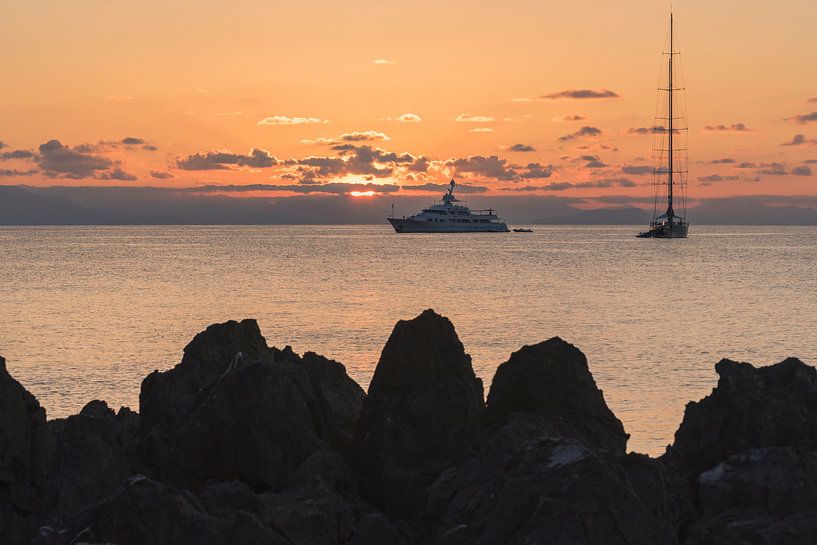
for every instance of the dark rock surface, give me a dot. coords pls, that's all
(749, 454)
(237, 409)
(773, 406)
(96, 451)
(243, 444)
(551, 379)
(421, 413)
(166, 397)
(141, 512)
(26, 457)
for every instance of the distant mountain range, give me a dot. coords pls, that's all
(23, 205)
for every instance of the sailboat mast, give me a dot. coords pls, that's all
(670, 168)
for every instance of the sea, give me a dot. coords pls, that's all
(87, 312)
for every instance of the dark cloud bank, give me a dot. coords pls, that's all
(20, 205)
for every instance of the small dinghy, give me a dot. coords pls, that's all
(521, 230)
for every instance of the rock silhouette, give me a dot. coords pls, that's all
(423, 408)
(242, 443)
(551, 379)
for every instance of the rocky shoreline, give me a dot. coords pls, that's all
(243, 444)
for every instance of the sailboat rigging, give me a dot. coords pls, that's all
(671, 223)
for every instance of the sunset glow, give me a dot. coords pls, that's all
(517, 101)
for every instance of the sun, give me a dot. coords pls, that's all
(362, 193)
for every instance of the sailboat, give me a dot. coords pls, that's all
(669, 155)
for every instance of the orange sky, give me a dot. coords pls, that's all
(332, 80)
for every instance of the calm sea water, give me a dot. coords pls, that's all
(88, 311)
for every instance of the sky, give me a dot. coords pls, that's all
(253, 98)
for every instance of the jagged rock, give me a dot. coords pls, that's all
(750, 408)
(26, 457)
(95, 452)
(236, 409)
(423, 406)
(552, 379)
(257, 423)
(527, 484)
(166, 396)
(141, 512)
(339, 399)
(766, 495)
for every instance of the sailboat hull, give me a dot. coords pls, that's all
(677, 231)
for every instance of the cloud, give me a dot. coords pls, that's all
(804, 118)
(537, 170)
(638, 170)
(336, 188)
(717, 178)
(58, 160)
(117, 174)
(362, 136)
(735, 127)
(461, 188)
(382, 62)
(357, 136)
(149, 147)
(646, 130)
(522, 148)
(799, 140)
(409, 118)
(585, 131)
(161, 175)
(801, 171)
(481, 129)
(2, 145)
(563, 186)
(553, 186)
(468, 118)
(357, 160)
(17, 154)
(7, 173)
(132, 141)
(480, 165)
(285, 120)
(773, 169)
(593, 161)
(569, 118)
(605, 183)
(724, 161)
(577, 94)
(216, 160)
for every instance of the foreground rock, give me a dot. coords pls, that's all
(422, 411)
(26, 457)
(751, 407)
(236, 409)
(551, 465)
(96, 451)
(245, 444)
(748, 453)
(552, 380)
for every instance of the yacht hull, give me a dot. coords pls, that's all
(407, 225)
(678, 231)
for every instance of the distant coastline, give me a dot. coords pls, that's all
(77, 205)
